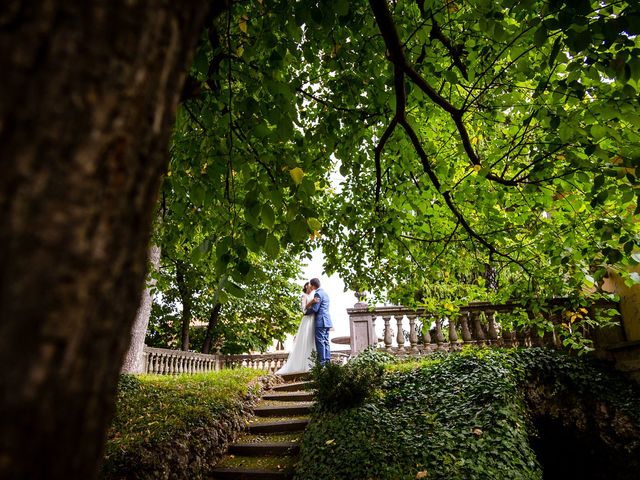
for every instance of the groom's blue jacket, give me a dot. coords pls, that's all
(321, 309)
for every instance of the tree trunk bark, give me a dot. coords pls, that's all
(88, 99)
(185, 299)
(213, 321)
(133, 360)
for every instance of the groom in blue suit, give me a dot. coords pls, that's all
(323, 321)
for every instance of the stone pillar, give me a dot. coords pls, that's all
(361, 327)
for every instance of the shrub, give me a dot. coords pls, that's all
(341, 387)
(466, 415)
(176, 427)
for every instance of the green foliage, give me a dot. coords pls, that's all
(584, 378)
(176, 424)
(266, 309)
(342, 387)
(465, 416)
(506, 140)
(128, 383)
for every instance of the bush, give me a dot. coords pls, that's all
(341, 387)
(466, 415)
(177, 427)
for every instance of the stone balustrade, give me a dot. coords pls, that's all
(404, 331)
(174, 362)
(270, 362)
(416, 331)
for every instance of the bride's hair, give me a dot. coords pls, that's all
(304, 289)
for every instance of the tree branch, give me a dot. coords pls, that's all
(454, 52)
(396, 55)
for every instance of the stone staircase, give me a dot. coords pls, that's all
(269, 448)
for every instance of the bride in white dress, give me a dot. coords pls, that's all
(304, 342)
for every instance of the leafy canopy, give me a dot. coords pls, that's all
(486, 149)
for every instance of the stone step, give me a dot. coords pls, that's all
(249, 474)
(292, 386)
(291, 425)
(252, 449)
(290, 396)
(293, 409)
(293, 377)
(250, 468)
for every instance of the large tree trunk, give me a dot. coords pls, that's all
(89, 93)
(133, 360)
(185, 299)
(213, 321)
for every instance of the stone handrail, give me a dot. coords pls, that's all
(474, 324)
(270, 362)
(173, 362)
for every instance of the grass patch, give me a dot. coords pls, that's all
(459, 416)
(177, 425)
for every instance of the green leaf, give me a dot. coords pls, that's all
(272, 246)
(314, 224)
(235, 290)
(268, 216)
(298, 230)
(554, 51)
(540, 36)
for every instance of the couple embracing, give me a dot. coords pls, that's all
(313, 333)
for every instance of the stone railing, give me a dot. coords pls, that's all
(474, 324)
(270, 362)
(173, 362)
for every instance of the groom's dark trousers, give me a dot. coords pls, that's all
(323, 324)
(322, 345)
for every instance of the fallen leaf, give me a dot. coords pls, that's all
(422, 474)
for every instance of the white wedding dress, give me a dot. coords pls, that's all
(299, 360)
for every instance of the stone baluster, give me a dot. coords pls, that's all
(413, 334)
(388, 335)
(534, 339)
(163, 364)
(173, 364)
(400, 333)
(439, 334)
(166, 365)
(152, 363)
(464, 326)
(507, 337)
(492, 333)
(478, 332)
(453, 335)
(426, 335)
(521, 336)
(548, 339)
